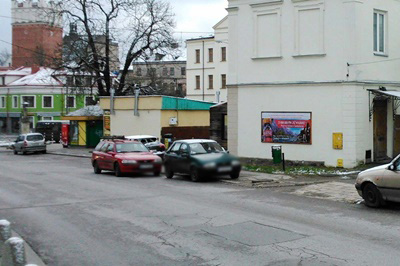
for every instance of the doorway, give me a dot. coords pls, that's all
(380, 129)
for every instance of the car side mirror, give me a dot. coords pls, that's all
(391, 167)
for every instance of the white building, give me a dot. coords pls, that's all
(207, 65)
(299, 62)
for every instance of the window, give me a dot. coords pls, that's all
(3, 80)
(197, 82)
(70, 81)
(210, 55)
(2, 101)
(15, 102)
(172, 71)
(184, 148)
(47, 101)
(210, 81)
(29, 101)
(88, 81)
(89, 100)
(110, 147)
(223, 81)
(78, 81)
(138, 71)
(223, 54)
(70, 101)
(197, 56)
(175, 147)
(47, 118)
(104, 147)
(165, 71)
(379, 32)
(183, 71)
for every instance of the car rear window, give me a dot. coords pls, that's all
(131, 147)
(34, 137)
(98, 146)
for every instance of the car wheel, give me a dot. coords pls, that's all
(235, 175)
(15, 152)
(44, 151)
(168, 173)
(96, 168)
(117, 170)
(156, 173)
(194, 174)
(24, 152)
(372, 196)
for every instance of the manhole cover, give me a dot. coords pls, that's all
(254, 234)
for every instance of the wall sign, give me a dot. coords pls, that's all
(286, 127)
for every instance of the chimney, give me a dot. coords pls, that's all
(35, 69)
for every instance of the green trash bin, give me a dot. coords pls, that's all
(277, 153)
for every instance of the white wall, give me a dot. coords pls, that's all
(335, 108)
(125, 123)
(215, 68)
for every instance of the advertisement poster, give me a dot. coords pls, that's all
(285, 127)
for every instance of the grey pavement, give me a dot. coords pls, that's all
(71, 216)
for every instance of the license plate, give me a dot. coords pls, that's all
(224, 169)
(146, 166)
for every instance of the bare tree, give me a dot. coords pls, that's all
(141, 28)
(5, 55)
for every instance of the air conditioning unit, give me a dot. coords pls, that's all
(173, 121)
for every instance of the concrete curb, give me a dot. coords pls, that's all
(69, 154)
(14, 251)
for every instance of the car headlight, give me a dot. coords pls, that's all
(129, 162)
(235, 163)
(210, 165)
(158, 160)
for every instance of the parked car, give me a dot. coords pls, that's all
(200, 158)
(380, 184)
(51, 129)
(32, 142)
(151, 142)
(124, 156)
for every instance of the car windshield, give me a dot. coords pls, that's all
(131, 147)
(205, 147)
(34, 137)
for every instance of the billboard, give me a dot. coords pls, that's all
(286, 127)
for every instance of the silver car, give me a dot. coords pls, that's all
(32, 142)
(380, 184)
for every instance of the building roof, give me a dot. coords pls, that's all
(174, 103)
(201, 38)
(21, 71)
(44, 77)
(94, 110)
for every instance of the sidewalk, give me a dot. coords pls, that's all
(336, 188)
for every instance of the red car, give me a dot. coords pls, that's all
(123, 156)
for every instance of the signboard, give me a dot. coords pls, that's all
(106, 123)
(286, 127)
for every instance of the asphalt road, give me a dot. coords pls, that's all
(70, 216)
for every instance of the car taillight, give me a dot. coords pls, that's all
(162, 147)
(25, 143)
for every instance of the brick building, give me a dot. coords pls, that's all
(36, 33)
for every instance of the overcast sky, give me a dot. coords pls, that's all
(191, 16)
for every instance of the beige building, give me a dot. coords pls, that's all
(156, 115)
(207, 65)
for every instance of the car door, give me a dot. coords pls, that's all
(183, 161)
(101, 156)
(171, 156)
(109, 156)
(19, 142)
(389, 185)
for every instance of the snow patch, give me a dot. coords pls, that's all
(94, 110)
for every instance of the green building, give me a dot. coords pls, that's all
(43, 93)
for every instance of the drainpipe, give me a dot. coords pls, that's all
(136, 110)
(217, 94)
(112, 102)
(203, 71)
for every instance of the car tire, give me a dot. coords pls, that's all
(44, 151)
(15, 152)
(156, 173)
(168, 173)
(117, 170)
(96, 168)
(235, 175)
(372, 197)
(24, 152)
(194, 174)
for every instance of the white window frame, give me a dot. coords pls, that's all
(385, 33)
(88, 97)
(34, 100)
(66, 101)
(52, 101)
(303, 7)
(13, 100)
(1, 102)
